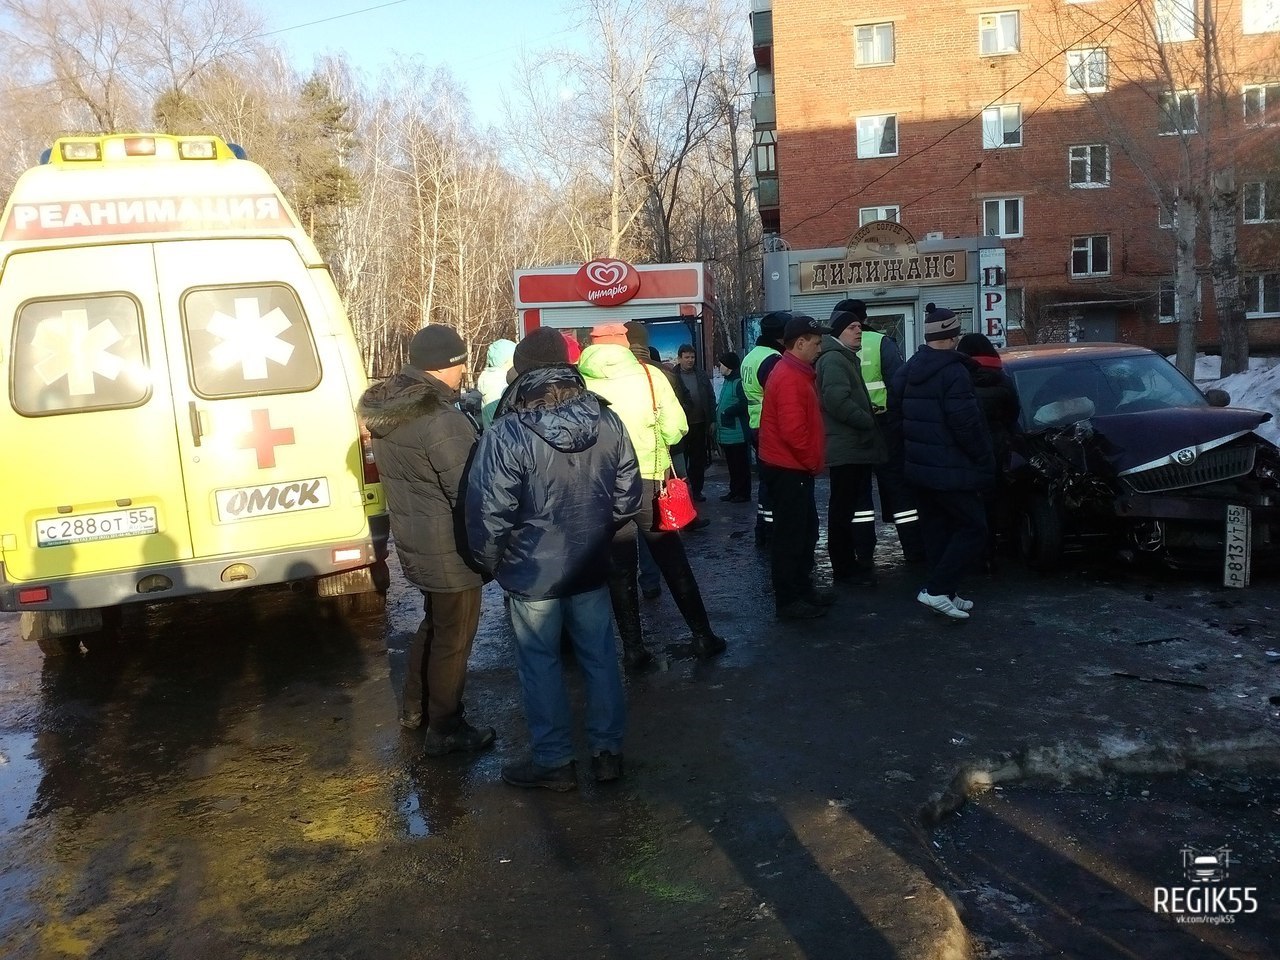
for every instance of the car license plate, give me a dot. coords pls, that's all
(82, 527)
(1239, 536)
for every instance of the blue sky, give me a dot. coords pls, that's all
(478, 40)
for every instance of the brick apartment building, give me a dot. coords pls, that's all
(1062, 127)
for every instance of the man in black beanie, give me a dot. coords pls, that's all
(422, 443)
(879, 359)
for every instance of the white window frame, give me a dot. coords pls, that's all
(874, 40)
(890, 211)
(997, 27)
(1259, 16)
(1086, 155)
(1176, 20)
(1002, 216)
(867, 130)
(1258, 308)
(1086, 245)
(1077, 69)
(1015, 305)
(1172, 286)
(995, 128)
(1267, 194)
(1261, 89)
(765, 146)
(1163, 104)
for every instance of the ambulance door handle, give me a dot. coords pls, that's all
(196, 430)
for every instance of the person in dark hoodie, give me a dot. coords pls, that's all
(552, 481)
(998, 398)
(947, 458)
(422, 443)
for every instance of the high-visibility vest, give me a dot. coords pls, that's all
(872, 376)
(750, 371)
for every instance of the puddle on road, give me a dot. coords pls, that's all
(19, 779)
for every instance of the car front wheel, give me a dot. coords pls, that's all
(1040, 534)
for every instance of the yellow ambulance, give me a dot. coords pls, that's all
(181, 382)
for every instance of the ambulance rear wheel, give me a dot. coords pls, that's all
(59, 646)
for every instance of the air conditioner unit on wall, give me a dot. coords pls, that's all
(935, 235)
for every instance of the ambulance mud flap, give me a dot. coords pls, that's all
(46, 624)
(371, 579)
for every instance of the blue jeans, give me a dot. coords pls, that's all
(650, 575)
(589, 619)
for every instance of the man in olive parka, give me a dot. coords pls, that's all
(423, 444)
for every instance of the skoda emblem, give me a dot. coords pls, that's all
(1186, 456)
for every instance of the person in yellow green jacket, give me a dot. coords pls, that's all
(645, 402)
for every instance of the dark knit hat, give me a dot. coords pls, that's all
(541, 348)
(976, 345)
(846, 312)
(940, 324)
(730, 359)
(774, 323)
(436, 347)
(638, 338)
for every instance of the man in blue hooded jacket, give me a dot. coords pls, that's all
(553, 478)
(947, 458)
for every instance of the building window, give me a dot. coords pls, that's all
(1261, 16)
(766, 152)
(1002, 126)
(1168, 309)
(1262, 295)
(874, 47)
(1177, 113)
(998, 33)
(1002, 217)
(1175, 20)
(872, 214)
(1262, 104)
(1089, 165)
(878, 136)
(1261, 201)
(1091, 256)
(1014, 303)
(1087, 71)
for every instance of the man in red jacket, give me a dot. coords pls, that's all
(792, 442)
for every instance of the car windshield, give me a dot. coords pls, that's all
(1078, 389)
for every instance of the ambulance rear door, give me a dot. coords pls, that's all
(267, 428)
(92, 479)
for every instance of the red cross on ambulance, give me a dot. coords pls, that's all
(264, 439)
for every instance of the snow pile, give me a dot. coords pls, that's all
(1257, 389)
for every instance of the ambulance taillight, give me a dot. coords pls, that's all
(366, 451)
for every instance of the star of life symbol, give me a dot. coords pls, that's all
(249, 338)
(69, 347)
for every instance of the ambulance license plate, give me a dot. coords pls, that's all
(1239, 540)
(82, 527)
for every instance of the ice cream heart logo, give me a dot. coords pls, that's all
(606, 282)
(607, 273)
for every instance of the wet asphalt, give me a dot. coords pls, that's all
(228, 779)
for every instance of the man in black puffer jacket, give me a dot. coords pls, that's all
(422, 443)
(947, 458)
(553, 479)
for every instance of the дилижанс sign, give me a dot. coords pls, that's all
(915, 268)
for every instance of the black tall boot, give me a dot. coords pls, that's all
(624, 596)
(668, 552)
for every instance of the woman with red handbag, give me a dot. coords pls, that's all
(654, 419)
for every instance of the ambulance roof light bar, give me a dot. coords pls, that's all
(145, 147)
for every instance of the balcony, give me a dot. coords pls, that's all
(766, 191)
(764, 110)
(762, 37)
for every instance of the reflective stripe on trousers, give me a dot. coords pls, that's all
(906, 516)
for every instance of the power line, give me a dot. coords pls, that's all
(337, 16)
(968, 120)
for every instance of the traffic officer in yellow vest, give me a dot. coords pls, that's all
(755, 371)
(880, 359)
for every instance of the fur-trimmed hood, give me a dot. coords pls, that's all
(404, 398)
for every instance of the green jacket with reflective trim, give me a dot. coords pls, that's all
(751, 386)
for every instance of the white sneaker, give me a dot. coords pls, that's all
(942, 604)
(962, 604)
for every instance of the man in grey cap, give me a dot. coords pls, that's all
(422, 443)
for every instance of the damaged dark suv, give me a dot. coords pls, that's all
(1121, 452)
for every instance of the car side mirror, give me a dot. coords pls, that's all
(1217, 398)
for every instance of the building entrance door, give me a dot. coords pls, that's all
(897, 320)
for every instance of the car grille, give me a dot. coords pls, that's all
(1224, 463)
